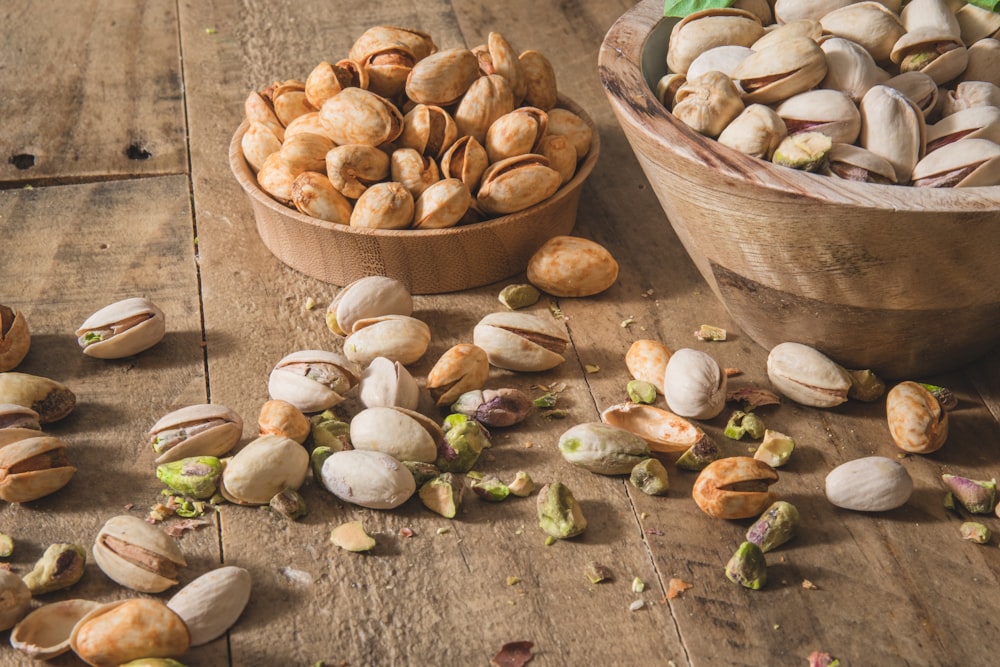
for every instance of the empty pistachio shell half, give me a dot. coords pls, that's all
(312, 380)
(208, 429)
(212, 603)
(137, 555)
(663, 430)
(15, 339)
(266, 466)
(44, 633)
(50, 399)
(520, 341)
(122, 329)
(118, 632)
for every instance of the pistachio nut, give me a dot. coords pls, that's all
(775, 526)
(747, 567)
(775, 449)
(15, 338)
(822, 110)
(561, 155)
(266, 466)
(288, 504)
(351, 168)
(702, 30)
(519, 296)
(920, 88)
(504, 60)
(18, 417)
(212, 603)
(984, 56)
(694, 384)
(60, 567)
(50, 399)
(665, 431)
(307, 122)
(442, 204)
(387, 383)
(798, 26)
(698, 455)
(521, 341)
(734, 487)
(357, 116)
(917, 422)
(570, 266)
(403, 434)
(976, 496)
(964, 163)
(488, 98)
(118, 632)
(464, 440)
(850, 68)
(313, 194)
(289, 100)
(137, 555)
(443, 494)
(396, 337)
(667, 87)
(517, 183)
(973, 531)
(122, 329)
(328, 432)
(44, 633)
(208, 429)
(559, 513)
(757, 131)
(387, 69)
(869, 484)
(463, 367)
(32, 468)
(515, 133)
(718, 59)
(869, 24)
(788, 11)
(258, 109)
(385, 205)
(854, 163)
(276, 177)
(368, 478)
(565, 123)
(306, 151)
(465, 160)
(15, 599)
(522, 485)
(490, 488)
(539, 79)
(778, 71)
(807, 151)
(366, 297)
(15, 434)
(312, 380)
(279, 417)
(351, 536)
(442, 78)
(422, 472)
(892, 126)
(196, 476)
(976, 23)
(603, 449)
(807, 376)
(494, 407)
(933, 51)
(651, 477)
(646, 360)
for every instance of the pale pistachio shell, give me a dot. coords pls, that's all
(266, 466)
(984, 62)
(570, 266)
(442, 204)
(786, 11)
(969, 94)
(276, 177)
(322, 83)
(708, 104)
(403, 434)
(52, 400)
(718, 59)
(855, 163)
(428, 129)
(602, 448)
(850, 68)
(572, 126)
(665, 431)
(561, 155)
(828, 111)
(917, 422)
(23, 487)
(259, 110)
(964, 163)
(224, 428)
(869, 484)
(504, 61)
(694, 384)
(44, 633)
(778, 71)
(313, 194)
(386, 205)
(306, 151)
(128, 327)
(971, 123)
(125, 630)
(488, 98)
(396, 337)
(757, 131)
(13, 416)
(351, 168)
(15, 338)
(919, 87)
(646, 360)
(952, 58)
(517, 183)
(387, 383)
(540, 80)
(258, 142)
(212, 603)
(516, 133)
(130, 573)
(376, 38)
(520, 341)
(288, 383)
(893, 127)
(703, 30)
(308, 123)
(807, 376)
(16, 434)
(367, 478)
(366, 297)
(442, 78)
(977, 23)
(667, 87)
(800, 27)
(356, 116)
(466, 160)
(463, 367)
(929, 14)
(869, 24)
(413, 171)
(15, 599)
(759, 8)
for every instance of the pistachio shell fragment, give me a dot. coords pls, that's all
(288, 504)
(18, 417)
(137, 555)
(44, 633)
(665, 431)
(60, 567)
(122, 329)
(50, 399)
(212, 603)
(15, 339)
(351, 536)
(121, 631)
(651, 477)
(775, 450)
(442, 494)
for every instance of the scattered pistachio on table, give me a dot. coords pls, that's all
(490, 488)
(918, 423)
(289, 504)
(122, 329)
(6, 545)
(278, 417)
(126, 630)
(651, 477)
(351, 536)
(744, 423)
(443, 494)
(698, 455)
(707, 332)
(640, 391)
(775, 449)
(196, 476)
(463, 441)
(137, 555)
(973, 531)
(559, 514)
(33, 467)
(976, 496)
(869, 484)
(775, 526)
(60, 567)
(747, 567)
(603, 448)
(495, 407)
(596, 572)
(522, 485)
(807, 376)
(15, 338)
(663, 430)
(735, 487)
(646, 360)
(516, 297)
(694, 384)
(52, 400)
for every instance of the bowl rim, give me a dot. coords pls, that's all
(620, 64)
(248, 181)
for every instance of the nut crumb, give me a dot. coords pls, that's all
(637, 605)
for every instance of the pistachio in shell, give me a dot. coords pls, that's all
(15, 599)
(521, 341)
(312, 380)
(118, 632)
(15, 338)
(603, 449)
(463, 367)
(570, 266)
(266, 466)
(368, 478)
(366, 297)
(212, 603)
(32, 468)
(52, 400)
(208, 429)
(137, 555)
(122, 329)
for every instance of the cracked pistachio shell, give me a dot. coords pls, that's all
(428, 129)
(718, 59)
(735, 487)
(561, 155)
(208, 429)
(307, 122)
(850, 68)
(505, 62)
(757, 131)
(351, 168)
(19, 417)
(396, 337)
(798, 27)
(266, 466)
(44, 633)
(137, 555)
(257, 109)
(385, 205)
(646, 360)
(212, 603)
(870, 24)
(820, 110)
(778, 71)
(869, 484)
(313, 194)
(663, 430)
(259, 142)
(387, 383)
(32, 468)
(377, 38)
(118, 632)
(488, 98)
(917, 422)
(368, 478)
(807, 376)
(122, 329)
(694, 384)
(570, 266)
(405, 435)
(61, 566)
(858, 164)
(387, 69)
(602, 448)
(15, 599)
(442, 204)
(929, 50)
(306, 151)
(50, 399)
(442, 78)
(969, 94)
(516, 183)
(972, 123)
(326, 80)
(312, 380)
(708, 104)
(413, 171)
(463, 367)
(276, 178)
(520, 341)
(965, 163)
(539, 79)
(465, 160)
(700, 31)
(516, 133)
(357, 116)
(15, 338)
(367, 297)
(918, 87)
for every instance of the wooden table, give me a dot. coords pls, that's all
(116, 120)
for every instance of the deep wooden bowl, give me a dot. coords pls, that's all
(902, 280)
(427, 261)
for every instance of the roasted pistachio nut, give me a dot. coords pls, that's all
(694, 384)
(125, 630)
(313, 380)
(807, 151)
(32, 468)
(744, 423)
(917, 422)
(328, 431)
(520, 296)
(404, 434)
(15, 599)
(50, 399)
(869, 484)
(463, 442)
(893, 126)
(463, 367)
(196, 476)
(386, 383)
(368, 478)
(651, 477)
(490, 488)
(516, 183)
(747, 567)
(366, 297)
(442, 77)
(137, 555)
(976, 496)
(775, 526)
(212, 603)
(775, 450)
(661, 429)
(288, 504)
(494, 407)
(279, 417)
(570, 266)
(757, 131)
(698, 455)
(210, 429)
(559, 514)
(122, 329)
(702, 30)
(266, 466)
(395, 337)
(521, 341)
(153, 662)
(778, 71)
(60, 567)
(422, 472)
(807, 376)
(603, 449)
(443, 494)
(18, 417)
(15, 338)
(734, 488)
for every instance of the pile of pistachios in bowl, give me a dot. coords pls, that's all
(892, 91)
(404, 135)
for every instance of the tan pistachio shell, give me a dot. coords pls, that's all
(984, 62)
(951, 59)
(310, 123)
(52, 400)
(351, 168)
(572, 126)
(396, 337)
(723, 59)
(850, 68)
(442, 78)
(780, 32)
(788, 11)
(306, 151)
(13, 416)
(387, 383)
(646, 360)
(377, 38)
(21, 481)
(757, 131)
(291, 102)
(667, 87)
(540, 80)
(694, 384)
(313, 194)
(759, 8)
(937, 14)
(972, 123)
(403, 434)
(463, 367)
(561, 155)
(892, 126)
(854, 163)
(521, 341)
(570, 266)
(413, 171)
(919, 87)
(118, 632)
(387, 69)
(15, 338)
(964, 163)
(212, 603)
(16, 434)
(276, 178)
(721, 488)
(368, 478)
(976, 23)
(870, 24)
(488, 98)
(357, 116)
(665, 431)
(708, 104)
(208, 429)
(258, 109)
(516, 133)
(135, 566)
(969, 94)
(505, 62)
(429, 129)
(332, 376)
(44, 633)
(442, 204)
(15, 599)
(258, 142)
(807, 376)
(127, 327)
(822, 110)
(366, 297)
(703, 30)
(516, 183)
(465, 160)
(327, 80)
(385, 205)
(778, 71)
(279, 417)
(266, 466)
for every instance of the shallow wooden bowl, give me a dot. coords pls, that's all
(899, 279)
(428, 261)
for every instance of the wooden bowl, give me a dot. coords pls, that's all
(902, 280)
(427, 261)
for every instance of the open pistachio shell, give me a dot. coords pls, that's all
(463, 367)
(520, 341)
(313, 194)
(377, 37)
(403, 434)
(919, 87)
(212, 603)
(357, 116)
(121, 631)
(137, 555)
(396, 337)
(44, 633)
(428, 129)
(33, 468)
(516, 183)
(703, 30)
(266, 466)
(52, 400)
(385, 205)
(306, 151)
(708, 104)
(807, 376)
(964, 163)
(122, 329)
(488, 98)
(209, 429)
(443, 77)
(972, 123)
(413, 171)
(665, 431)
(870, 24)
(18, 416)
(735, 487)
(15, 339)
(515, 133)
(892, 126)
(351, 168)
(443, 204)
(258, 143)
(9, 435)
(465, 160)
(822, 110)
(366, 297)
(850, 68)
(387, 383)
(938, 54)
(313, 380)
